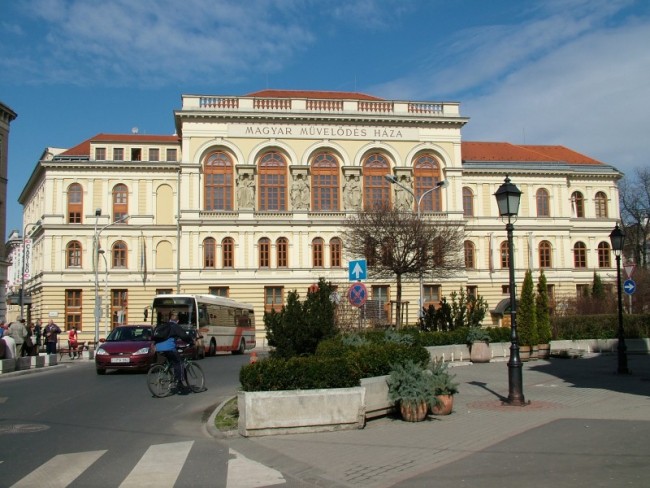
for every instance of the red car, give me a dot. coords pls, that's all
(129, 347)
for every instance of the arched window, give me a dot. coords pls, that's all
(75, 203)
(264, 245)
(119, 254)
(579, 255)
(282, 249)
(218, 171)
(209, 253)
(545, 254)
(376, 190)
(272, 182)
(604, 255)
(426, 172)
(578, 202)
(543, 205)
(336, 250)
(468, 202)
(505, 255)
(317, 246)
(120, 202)
(470, 258)
(325, 183)
(601, 205)
(73, 254)
(228, 252)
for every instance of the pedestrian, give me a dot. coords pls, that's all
(73, 343)
(52, 332)
(18, 331)
(10, 346)
(38, 335)
(31, 330)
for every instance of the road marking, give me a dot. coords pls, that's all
(59, 471)
(160, 466)
(245, 473)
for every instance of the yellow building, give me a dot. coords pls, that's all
(250, 198)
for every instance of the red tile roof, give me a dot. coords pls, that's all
(506, 152)
(312, 94)
(83, 149)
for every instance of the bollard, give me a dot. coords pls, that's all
(253, 358)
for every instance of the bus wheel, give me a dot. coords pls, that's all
(241, 349)
(213, 348)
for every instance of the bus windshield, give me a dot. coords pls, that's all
(185, 307)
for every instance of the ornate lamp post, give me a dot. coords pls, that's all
(508, 197)
(440, 184)
(617, 237)
(21, 297)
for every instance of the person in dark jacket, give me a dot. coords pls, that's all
(168, 348)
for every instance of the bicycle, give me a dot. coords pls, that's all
(160, 377)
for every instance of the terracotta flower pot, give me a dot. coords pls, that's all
(444, 406)
(413, 412)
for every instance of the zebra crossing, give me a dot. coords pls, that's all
(159, 466)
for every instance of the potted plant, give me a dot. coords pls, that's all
(444, 388)
(411, 387)
(478, 341)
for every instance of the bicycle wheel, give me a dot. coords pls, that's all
(160, 380)
(194, 377)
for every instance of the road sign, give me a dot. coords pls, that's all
(358, 270)
(357, 294)
(629, 287)
(629, 269)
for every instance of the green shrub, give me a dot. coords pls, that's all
(376, 359)
(600, 327)
(299, 373)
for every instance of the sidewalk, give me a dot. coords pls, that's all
(576, 405)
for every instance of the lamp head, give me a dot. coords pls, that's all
(391, 178)
(617, 236)
(98, 212)
(508, 197)
(442, 184)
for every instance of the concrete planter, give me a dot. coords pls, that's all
(37, 361)
(377, 402)
(295, 411)
(7, 365)
(23, 363)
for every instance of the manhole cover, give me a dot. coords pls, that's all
(21, 428)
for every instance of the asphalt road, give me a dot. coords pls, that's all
(71, 427)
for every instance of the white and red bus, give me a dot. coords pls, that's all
(221, 323)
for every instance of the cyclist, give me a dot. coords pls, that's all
(167, 348)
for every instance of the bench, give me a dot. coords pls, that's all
(73, 353)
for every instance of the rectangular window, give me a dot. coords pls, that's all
(583, 290)
(119, 307)
(505, 289)
(118, 154)
(381, 299)
(136, 154)
(164, 291)
(472, 291)
(171, 155)
(430, 296)
(100, 154)
(335, 253)
(273, 298)
(73, 309)
(220, 291)
(265, 253)
(154, 154)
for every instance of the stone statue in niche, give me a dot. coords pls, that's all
(246, 191)
(299, 193)
(352, 193)
(403, 198)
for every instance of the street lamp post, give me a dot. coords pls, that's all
(440, 184)
(98, 304)
(106, 304)
(617, 238)
(508, 197)
(21, 297)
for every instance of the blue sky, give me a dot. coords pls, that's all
(567, 72)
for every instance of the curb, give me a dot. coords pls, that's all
(212, 430)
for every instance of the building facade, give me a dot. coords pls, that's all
(6, 117)
(250, 197)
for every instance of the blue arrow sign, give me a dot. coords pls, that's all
(358, 270)
(629, 287)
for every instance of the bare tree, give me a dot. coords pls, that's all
(400, 244)
(635, 212)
